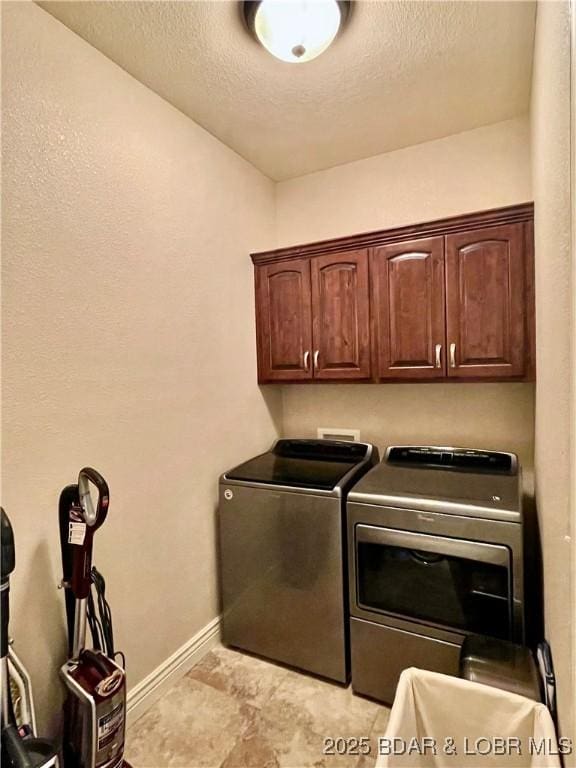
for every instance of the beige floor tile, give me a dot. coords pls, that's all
(378, 730)
(236, 711)
(244, 677)
(367, 761)
(381, 721)
(325, 708)
(192, 726)
(252, 750)
(301, 714)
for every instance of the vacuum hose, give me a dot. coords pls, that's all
(100, 617)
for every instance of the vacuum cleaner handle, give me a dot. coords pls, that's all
(8, 562)
(93, 517)
(7, 565)
(79, 520)
(81, 577)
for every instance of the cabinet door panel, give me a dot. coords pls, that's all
(408, 300)
(486, 302)
(284, 321)
(341, 316)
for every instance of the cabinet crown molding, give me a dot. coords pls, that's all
(468, 221)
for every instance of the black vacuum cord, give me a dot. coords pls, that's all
(100, 618)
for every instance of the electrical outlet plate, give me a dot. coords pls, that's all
(335, 433)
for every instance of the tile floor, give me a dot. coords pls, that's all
(236, 711)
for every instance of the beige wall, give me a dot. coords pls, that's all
(125, 234)
(554, 289)
(484, 168)
(479, 169)
(470, 415)
(573, 394)
(125, 271)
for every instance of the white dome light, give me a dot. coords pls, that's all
(297, 30)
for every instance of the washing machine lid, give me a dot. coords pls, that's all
(314, 464)
(459, 481)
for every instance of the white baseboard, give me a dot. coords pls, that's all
(147, 692)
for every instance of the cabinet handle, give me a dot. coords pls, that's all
(452, 355)
(306, 359)
(316, 353)
(438, 355)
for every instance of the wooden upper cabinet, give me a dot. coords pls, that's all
(284, 321)
(408, 309)
(341, 316)
(445, 300)
(486, 303)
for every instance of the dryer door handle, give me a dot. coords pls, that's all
(440, 545)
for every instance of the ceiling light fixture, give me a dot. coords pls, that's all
(295, 30)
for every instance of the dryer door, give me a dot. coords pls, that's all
(463, 585)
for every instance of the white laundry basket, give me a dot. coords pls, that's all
(439, 721)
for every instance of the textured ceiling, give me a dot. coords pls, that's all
(400, 74)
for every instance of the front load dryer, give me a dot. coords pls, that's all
(435, 548)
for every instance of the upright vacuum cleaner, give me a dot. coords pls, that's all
(95, 709)
(20, 746)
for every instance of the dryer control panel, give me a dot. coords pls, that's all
(462, 459)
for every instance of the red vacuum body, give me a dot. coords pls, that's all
(95, 708)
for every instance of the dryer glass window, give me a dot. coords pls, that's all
(451, 589)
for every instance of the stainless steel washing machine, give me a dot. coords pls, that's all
(435, 547)
(283, 553)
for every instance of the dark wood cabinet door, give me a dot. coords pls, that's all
(409, 309)
(341, 316)
(486, 303)
(284, 321)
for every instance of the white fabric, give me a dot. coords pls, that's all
(440, 707)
